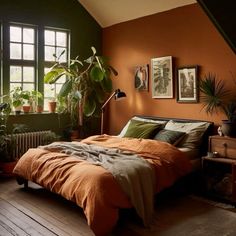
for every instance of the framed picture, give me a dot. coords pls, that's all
(141, 77)
(162, 77)
(187, 84)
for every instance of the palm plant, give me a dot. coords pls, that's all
(215, 94)
(87, 85)
(217, 97)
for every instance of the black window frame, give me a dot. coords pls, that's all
(39, 61)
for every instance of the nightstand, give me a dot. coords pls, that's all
(220, 171)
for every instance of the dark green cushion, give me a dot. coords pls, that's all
(169, 136)
(140, 129)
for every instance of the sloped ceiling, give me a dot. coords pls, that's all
(110, 12)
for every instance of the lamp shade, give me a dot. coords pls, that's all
(119, 94)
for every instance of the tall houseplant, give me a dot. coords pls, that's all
(7, 163)
(216, 97)
(88, 83)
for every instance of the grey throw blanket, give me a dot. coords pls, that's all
(134, 174)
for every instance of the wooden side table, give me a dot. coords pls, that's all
(224, 146)
(208, 162)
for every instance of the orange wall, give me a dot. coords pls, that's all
(184, 33)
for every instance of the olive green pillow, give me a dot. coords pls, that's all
(140, 129)
(169, 136)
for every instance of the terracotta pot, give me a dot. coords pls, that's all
(7, 168)
(39, 109)
(26, 108)
(52, 106)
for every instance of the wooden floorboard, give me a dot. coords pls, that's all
(36, 211)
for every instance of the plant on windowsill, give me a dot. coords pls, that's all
(36, 101)
(27, 104)
(216, 97)
(87, 85)
(17, 99)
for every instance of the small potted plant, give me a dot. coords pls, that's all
(52, 105)
(27, 105)
(37, 100)
(17, 99)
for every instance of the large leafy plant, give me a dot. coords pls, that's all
(88, 82)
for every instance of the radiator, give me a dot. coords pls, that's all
(24, 141)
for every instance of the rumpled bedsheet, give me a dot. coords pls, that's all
(92, 187)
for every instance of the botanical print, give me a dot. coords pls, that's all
(187, 84)
(141, 77)
(162, 81)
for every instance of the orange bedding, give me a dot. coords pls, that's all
(92, 187)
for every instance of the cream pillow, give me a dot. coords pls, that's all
(124, 130)
(194, 132)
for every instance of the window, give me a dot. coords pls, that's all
(22, 57)
(55, 48)
(29, 52)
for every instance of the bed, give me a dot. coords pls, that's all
(103, 173)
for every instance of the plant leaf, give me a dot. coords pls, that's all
(53, 75)
(96, 74)
(66, 88)
(107, 85)
(94, 50)
(89, 107)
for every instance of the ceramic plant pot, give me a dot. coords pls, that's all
(39, 109)
(26, 108)
(228, 128)
(52, 106)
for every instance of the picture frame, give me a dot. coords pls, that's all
(162, 77)
(187, 84)
(141, 77)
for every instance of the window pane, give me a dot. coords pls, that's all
(28, 87)
(61, 39)
(15, 34)
(49, 90)
(15, 73)
(63, 57)
(49, 36)
(28, 35)
(49, 51)
(15, 51)
(28, 52)
(28, 74)
(14, 85)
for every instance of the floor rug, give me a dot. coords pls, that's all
(189, 215)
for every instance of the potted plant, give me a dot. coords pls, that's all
(216, 97)
(7, 163)
(52, 105)
(17, 99)
(27, 104)
(37, 100)
(87, 85)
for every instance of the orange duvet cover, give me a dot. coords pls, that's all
(92, 187)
